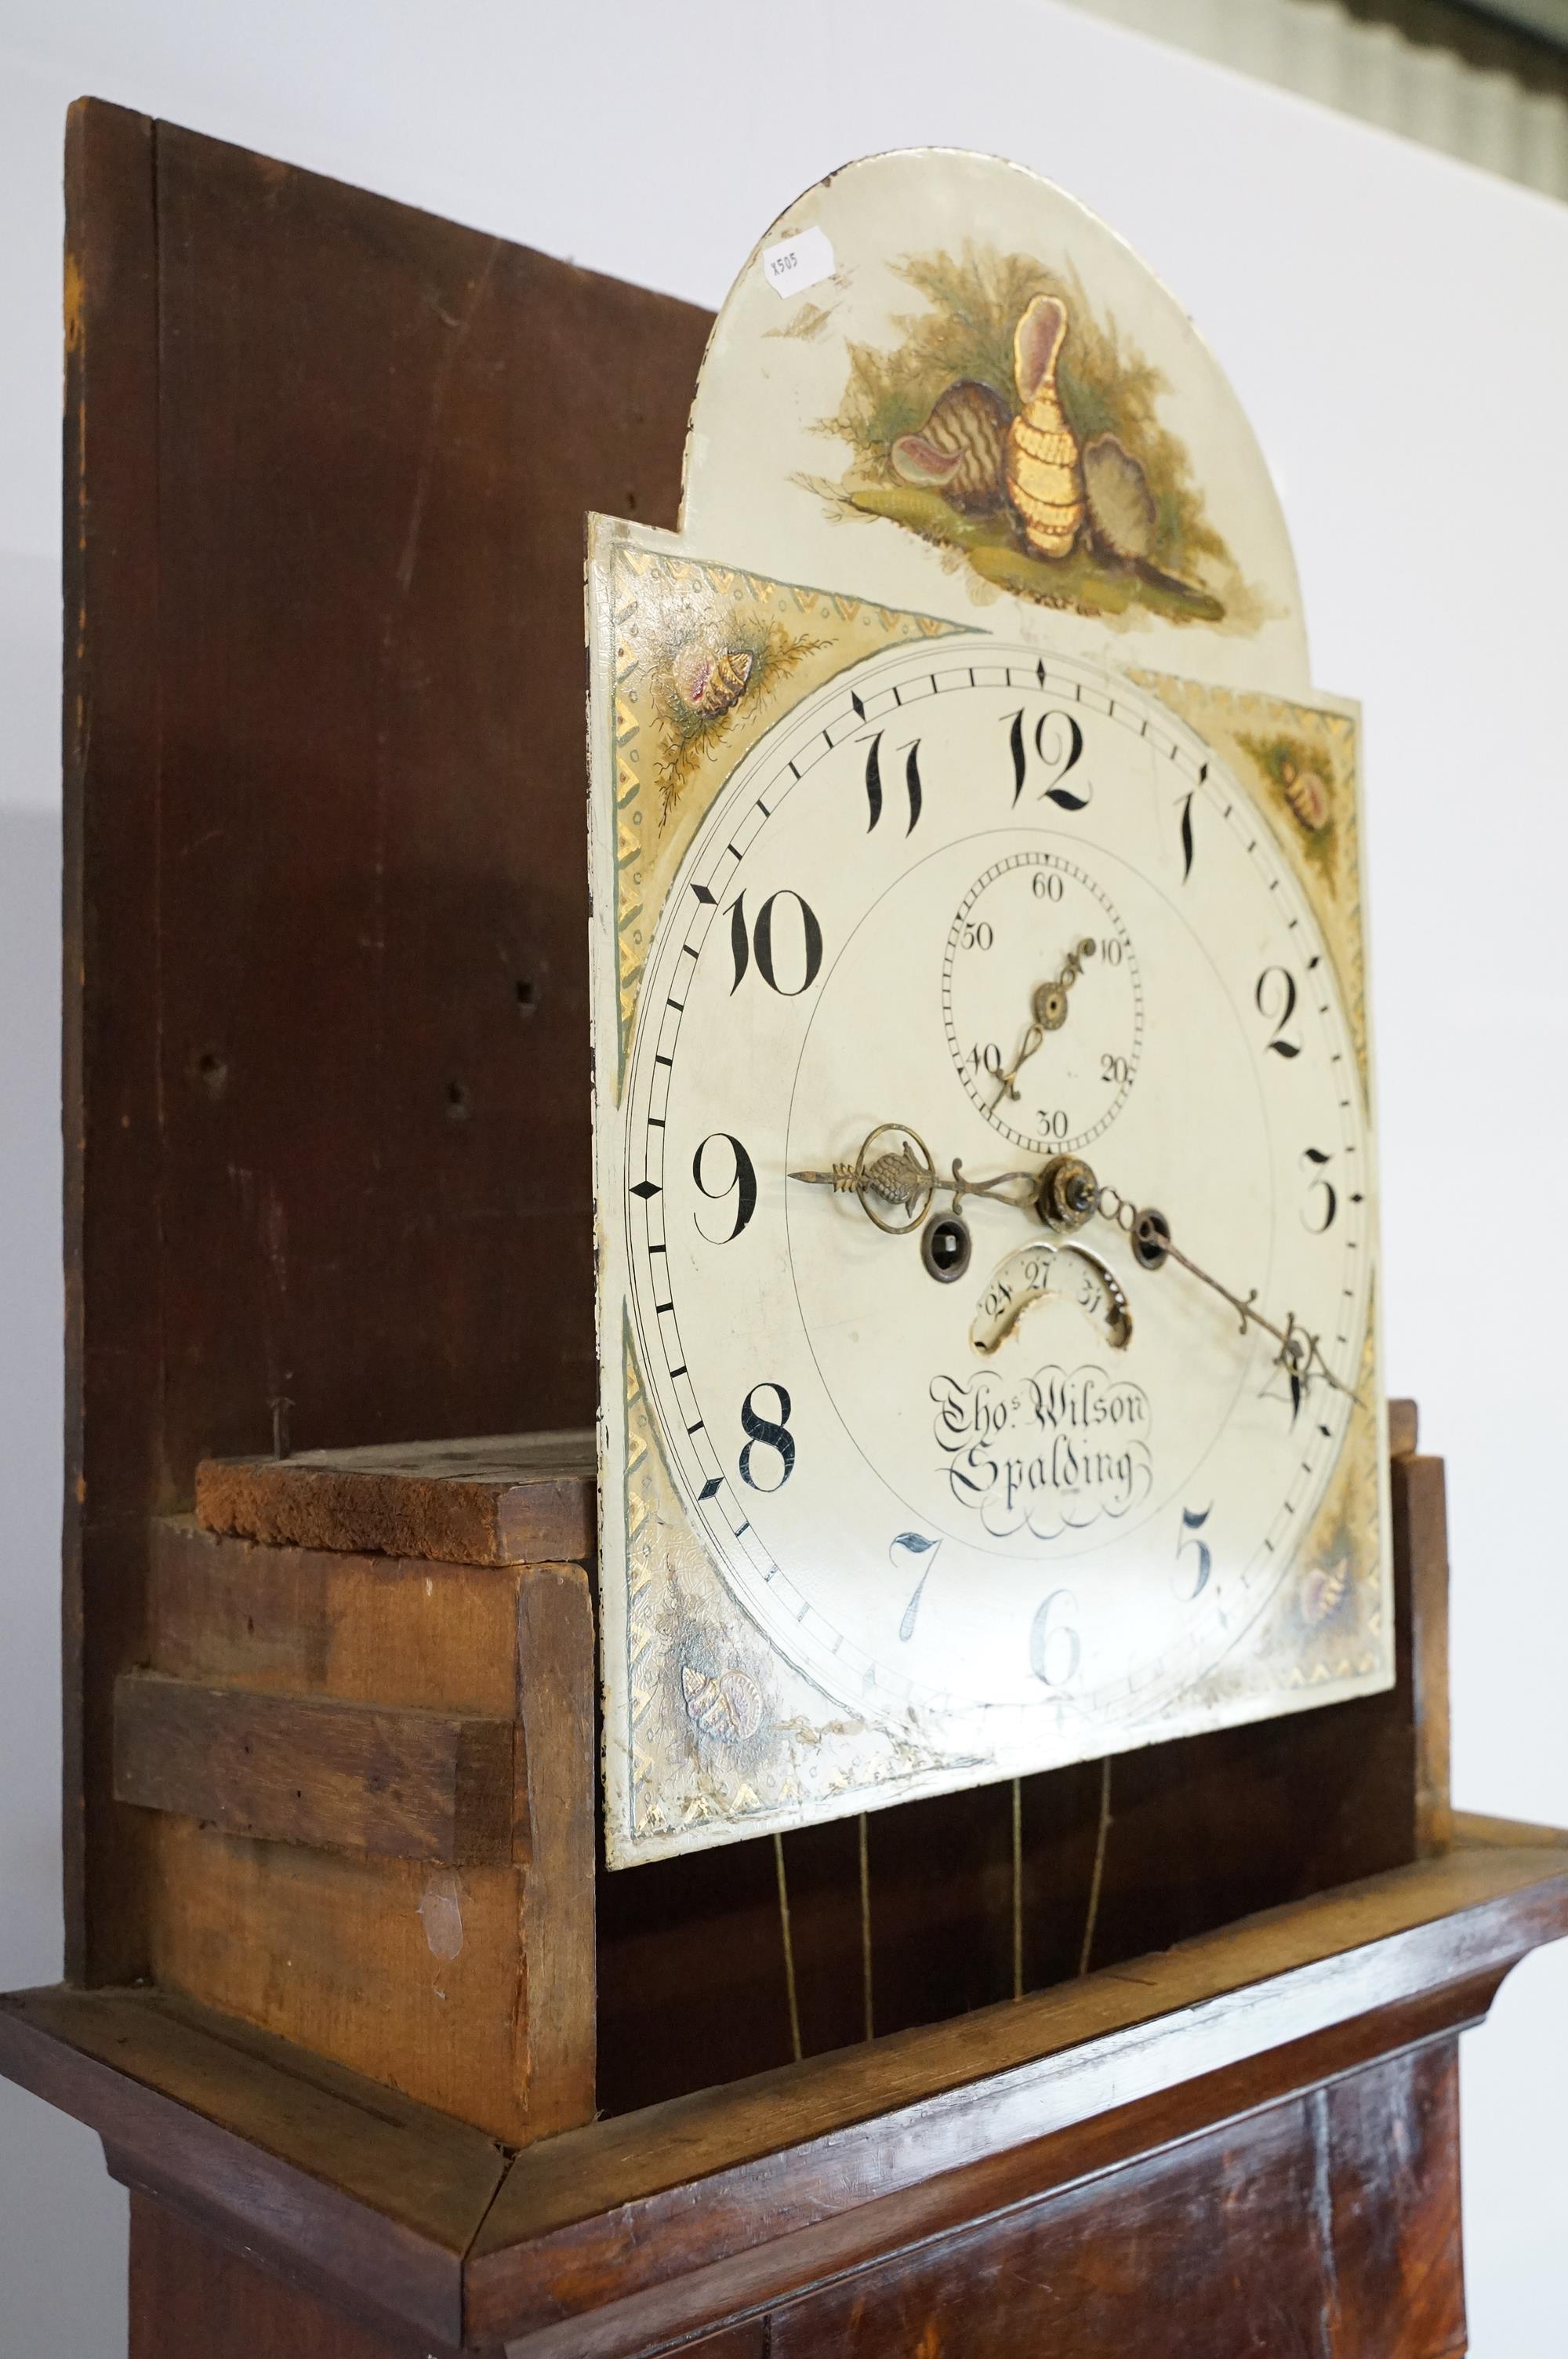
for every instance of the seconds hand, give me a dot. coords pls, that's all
(1050, 1009)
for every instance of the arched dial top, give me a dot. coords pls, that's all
(1009, 904)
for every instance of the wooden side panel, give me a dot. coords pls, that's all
(113, 1329)
(1327, 2226)
(1420, 1540)
(326, 1040)
(555, 2027)
(1392, 2137)
(193, 2298)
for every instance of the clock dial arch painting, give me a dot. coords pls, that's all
(985, 1170)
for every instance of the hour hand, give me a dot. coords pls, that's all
(894, 1178)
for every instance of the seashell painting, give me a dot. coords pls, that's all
(709, 678)
(707, 669)
(1045, 465)
(1302, 777)
(1306, 795)
(1323, 1590)
(1120, 505)
(1016, 426)
(961, 449)
(729, 1707)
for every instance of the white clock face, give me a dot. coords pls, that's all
(1009, 908)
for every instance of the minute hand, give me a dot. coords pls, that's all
(1301, 1352)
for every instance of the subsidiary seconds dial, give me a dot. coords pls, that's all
(1042, 1001)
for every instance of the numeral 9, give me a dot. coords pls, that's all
(742, 1184)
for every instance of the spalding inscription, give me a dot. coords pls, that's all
(1050, 1452)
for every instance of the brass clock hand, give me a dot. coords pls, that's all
(1050, 1011)
(902, 1179)
(894, 1182)
(1299, 1353)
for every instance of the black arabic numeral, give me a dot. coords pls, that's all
(874, 781)
(1276, 998)
(1184, 805)
(742, 1184)
(1323, 1196)
(1055, 1650)
(1187, 810)
(1285, 1384)
(915, 1545)
(739, 943)
(760, 943)
(1193, 1522)
(911, 779)
(768, 1434)
(1059, 755)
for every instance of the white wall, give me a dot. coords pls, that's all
(1397, 327)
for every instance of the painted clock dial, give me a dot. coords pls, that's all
(992, 906)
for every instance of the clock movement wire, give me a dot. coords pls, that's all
(788, 1949)
(865, 1929)
(1018, 1887)
(1096, 1880)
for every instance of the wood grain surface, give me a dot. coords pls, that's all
(345, 1882)
(192, 2298)
(634, 2235)
(1420, 1540)
(501, 1499)
(673, 2204)
(369, 1629)
(326, 1119)
(1327, 2225)
(340, 2184)
(305, 1769)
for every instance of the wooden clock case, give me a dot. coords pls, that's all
(387, 2067)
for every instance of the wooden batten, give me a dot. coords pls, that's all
(305, 1769)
